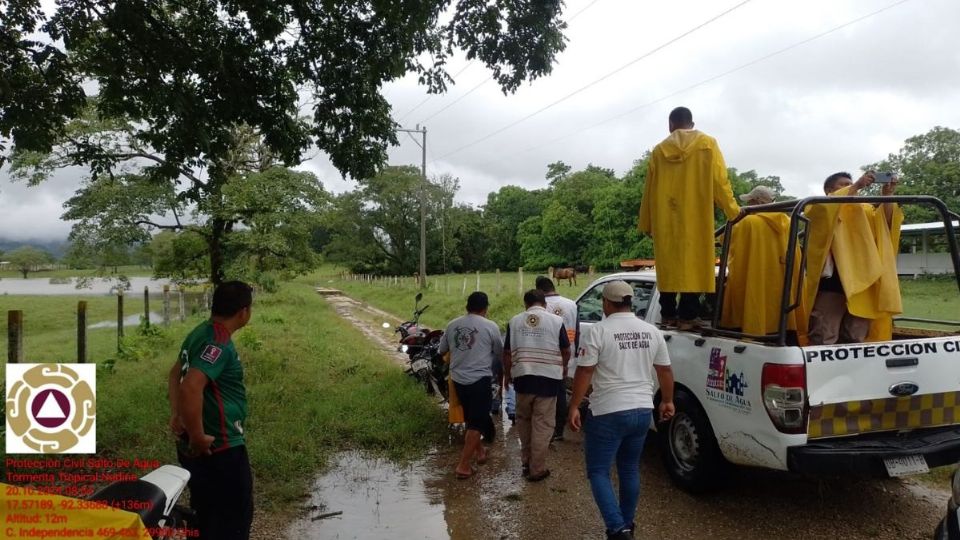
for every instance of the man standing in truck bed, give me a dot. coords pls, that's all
(686, 176)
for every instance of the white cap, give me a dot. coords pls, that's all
(761, 194)
(617, 291)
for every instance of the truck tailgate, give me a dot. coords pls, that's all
(893, 385)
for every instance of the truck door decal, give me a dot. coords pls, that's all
(726, 384)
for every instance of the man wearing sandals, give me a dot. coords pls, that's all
(474, 344)
(535, 356)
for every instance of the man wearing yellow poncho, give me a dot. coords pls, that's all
(686, 176)
(756, 266)
(851, 277)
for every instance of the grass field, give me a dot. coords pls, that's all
(930, 298)
(315, 386)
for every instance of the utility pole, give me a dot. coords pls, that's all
(422, 274)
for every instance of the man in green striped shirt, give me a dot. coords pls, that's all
(208, 405)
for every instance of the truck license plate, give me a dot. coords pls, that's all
(906, 465)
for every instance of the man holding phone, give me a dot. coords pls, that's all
(619, 356)
(858, 281)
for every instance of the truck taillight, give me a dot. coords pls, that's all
(784, 390)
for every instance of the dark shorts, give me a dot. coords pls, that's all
(476, 399)
(221, 493)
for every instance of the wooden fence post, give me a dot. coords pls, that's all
(463, 291)
(146, 305)
(119, 317)
(82, 332)
(520, 272)
(478, 280)
(14, 336)
(180, 300)
(498, 281)
(592, 270)
(166, 305)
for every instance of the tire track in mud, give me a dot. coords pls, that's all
(362, 316)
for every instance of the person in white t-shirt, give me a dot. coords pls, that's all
(619, 355)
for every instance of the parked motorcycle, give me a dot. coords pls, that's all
(427, 366)
(154, 498)
(412, 335)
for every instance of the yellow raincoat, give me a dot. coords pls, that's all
(864, 250)
(686, 176)
(454, 409)
(756, 268)
(42, 515)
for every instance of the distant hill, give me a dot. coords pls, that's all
(56, 247)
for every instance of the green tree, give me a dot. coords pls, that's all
(251, 193)
(102, 257)
(376, 228)
(27, 259)
(615, 236)
(472, 241)
(180, 256)
(743, 182)
(276, 212)
(928, 164)
(505, 211)
(185, 74)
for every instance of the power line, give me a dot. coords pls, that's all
(490, 78)
(426, 99)
(597, 81)
(577, 14)
(710, 79)
(454, 102)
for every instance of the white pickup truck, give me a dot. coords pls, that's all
(888, 408)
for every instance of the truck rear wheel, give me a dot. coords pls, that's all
(689, 447)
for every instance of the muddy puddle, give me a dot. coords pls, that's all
(377, 499)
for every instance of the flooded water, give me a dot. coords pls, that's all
(131, 320)
(378, 499)
(93, 286)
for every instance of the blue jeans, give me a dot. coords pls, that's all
(509, 401)
(616, 436)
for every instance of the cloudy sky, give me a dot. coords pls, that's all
(781, 93)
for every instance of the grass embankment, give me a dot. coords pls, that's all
(315, 386)
(129, 271)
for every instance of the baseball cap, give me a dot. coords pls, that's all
(762, 194)
(617, 291)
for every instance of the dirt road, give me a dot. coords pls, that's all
(425, 500)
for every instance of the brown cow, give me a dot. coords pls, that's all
(568, 274)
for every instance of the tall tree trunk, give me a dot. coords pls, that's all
(217, 236)
(24, 272)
